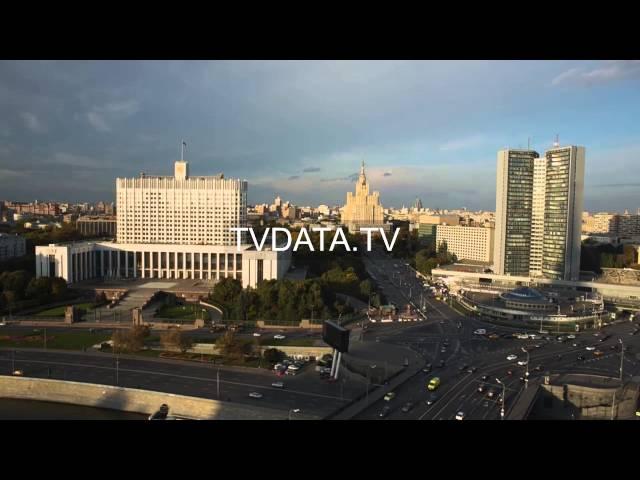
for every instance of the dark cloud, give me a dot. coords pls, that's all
(349, 178)
(311, 169)
(387, 174)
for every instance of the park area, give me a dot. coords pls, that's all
(59, 340)
(59, 311)
(182, 312)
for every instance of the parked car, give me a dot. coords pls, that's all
(18, 373)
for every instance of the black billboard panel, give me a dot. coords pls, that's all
(335, 336)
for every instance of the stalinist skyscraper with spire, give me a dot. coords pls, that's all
(362, 209)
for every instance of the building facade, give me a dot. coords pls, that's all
(76, 262)
(362, 209)
(539, 203)
(467, 243)
(12, 246)
(180, 210)
(97, 225)
(170, 228)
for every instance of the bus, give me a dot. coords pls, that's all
(433, 384)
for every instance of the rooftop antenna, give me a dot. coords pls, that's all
(182, 145)
(528, 143)
(557, 142)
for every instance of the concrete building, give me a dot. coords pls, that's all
(467, 243)
(12, 246)
(170, 228)
(362, 209)
(80, 261)
(180, 210)
(539, 204)
(440, 219)
(97, 225)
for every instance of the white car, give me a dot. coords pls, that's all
(480, 331)
(591, 348)
(512, 357)
(255, 395)
(522, 363)
(256, 334)
(279, 337)
(571, 337)
(460, 416)
(277, 384)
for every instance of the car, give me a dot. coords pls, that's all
(537, 345)
(575, 344)
(493, 336)
(538, 368)
(512, 357)
(432, 399)
(571, 337)
(463, 367)
(407, 407)
(443, 350)
(591, 348)
(460, 416)
(255, 395)
(279, 337)
(491, 393)
(522, 363)
(389, 396)
(3, 323)
(598, 353)
(580, 358)
(385, 411)
(434, 383)
(442, 364)
(485, 404)
(256, 334)
(613, 347)
(522, 379)
(471, 370)
(484, 378)
(481, 388)
(277, 384)
(18, 373)
(509, 372)
(427, 368)
(480, 331)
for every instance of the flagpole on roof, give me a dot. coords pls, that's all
(182, 151)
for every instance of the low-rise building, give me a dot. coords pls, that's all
(12, 246)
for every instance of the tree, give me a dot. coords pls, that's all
(130, 340)
(175, 338)
(231, 347)
(273, 355)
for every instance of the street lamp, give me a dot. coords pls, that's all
(621, 357)
(293, 410)
(526, 375)
(504, 388)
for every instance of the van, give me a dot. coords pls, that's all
(433, 384)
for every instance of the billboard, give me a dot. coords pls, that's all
(335, 336)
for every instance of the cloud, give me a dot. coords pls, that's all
(462, 143)
(97, 121)
(32, 122)
(293, 177)
(311, 169)
(609, 72)
(102, 117)
(386, 174)
(79, 161)
(349, 178)
(7, 174)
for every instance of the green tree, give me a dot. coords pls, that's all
(273, 355)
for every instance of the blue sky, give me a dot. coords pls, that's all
(427, 129)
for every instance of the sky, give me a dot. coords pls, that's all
(299, 129)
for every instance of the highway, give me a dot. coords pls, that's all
(458, 389)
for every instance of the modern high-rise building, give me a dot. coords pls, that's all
(539, 203)
(514, 211)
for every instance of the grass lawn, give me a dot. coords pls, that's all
(59, 311)
(182, 312)
(62, 341)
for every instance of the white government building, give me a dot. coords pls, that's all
(173, 228)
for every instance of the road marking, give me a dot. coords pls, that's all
(189, 377)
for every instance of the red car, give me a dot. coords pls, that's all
(509, 372)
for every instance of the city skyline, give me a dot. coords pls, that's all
(301, 129)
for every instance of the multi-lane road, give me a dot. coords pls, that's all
(446, 335)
